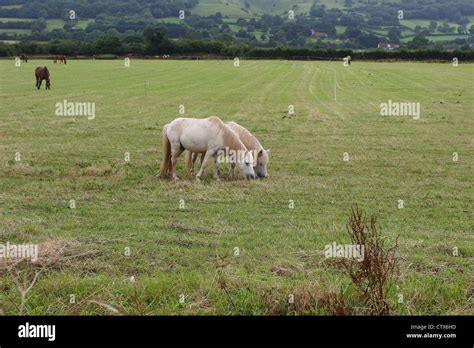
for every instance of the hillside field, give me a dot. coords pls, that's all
(242, 19)
(134, 244)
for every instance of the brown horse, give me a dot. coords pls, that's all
(42, 74)
(24, 57)
(60, 57)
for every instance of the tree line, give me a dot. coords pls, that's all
(154, 42)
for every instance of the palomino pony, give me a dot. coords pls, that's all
(209, 135)
(42, 74)
(250, 142)
(60, 57)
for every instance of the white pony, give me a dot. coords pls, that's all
(209, 135)
(250, 142)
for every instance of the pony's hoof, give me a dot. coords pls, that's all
(176, 178)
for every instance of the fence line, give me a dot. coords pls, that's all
(241, 57)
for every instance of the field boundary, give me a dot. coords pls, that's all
(197, 57)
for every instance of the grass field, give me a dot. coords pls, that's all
(236, 247)
(235, 8)
(16, 31)
(436, 38)
(425, 23)
(51, 24)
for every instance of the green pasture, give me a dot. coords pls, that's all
(121, 240)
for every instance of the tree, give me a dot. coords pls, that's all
(227, 39)
(317, 11)
(394, 35)
(462, 29)
(279, 35)
(352, 32)
(109, 44)
(241, 22)
(155, 40)
(463, 21)
(368, 40)
(38, 25)
(419, 41)
(445, 28)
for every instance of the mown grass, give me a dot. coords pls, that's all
(191, 251)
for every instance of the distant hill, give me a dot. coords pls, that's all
(264, 23)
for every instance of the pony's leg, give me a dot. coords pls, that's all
(207, 156)
(232, 169)
(193, 159)
(37, 80)
(216, 168)
(175, 152)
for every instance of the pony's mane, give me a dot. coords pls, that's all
(249, 140)
(231, 139)
(46, 71)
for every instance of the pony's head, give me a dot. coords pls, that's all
(246, 166)
(262, 162)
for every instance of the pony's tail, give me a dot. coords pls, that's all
(189, 161)
(166, 164)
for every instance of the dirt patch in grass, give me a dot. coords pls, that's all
(186, 243)
(102, 169)
(22, 169)
(49, 253)
(173, 225)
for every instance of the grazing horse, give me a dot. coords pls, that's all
(60, 57)
(24, 57)
(250, 142)
(42, 74)
(209, 135)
